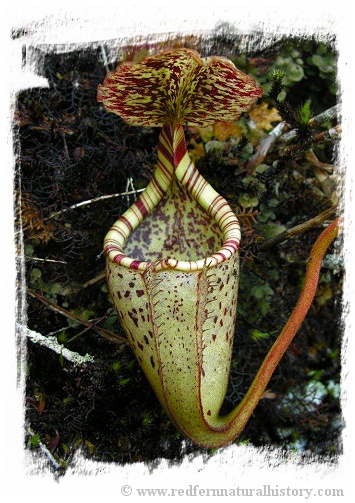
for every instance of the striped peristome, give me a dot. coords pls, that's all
(174, 167)
(178, 87)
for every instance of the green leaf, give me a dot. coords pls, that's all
(258, 335)
(29, 250)
(296, 74)
(271, 229)
(62, 337)
(304, 112)
(215, 146)
(333, 389)
(262, 291)
(116, 366)
(122, 382)
(35, 440)
(248, 201)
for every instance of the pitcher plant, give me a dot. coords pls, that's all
(172, 257)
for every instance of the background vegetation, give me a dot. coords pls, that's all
(69, 151)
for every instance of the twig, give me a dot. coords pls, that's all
(104, 57)
(84, 203)
(314, 161)
(101, 331)
(325, 116)
(97, 278)
(37, 259)
(108, 140)
(66, 152)
(51, 342)
(86, 329)
(129, 185)
(330, 134)
(298, 229)
(46, 451)
(264, 147)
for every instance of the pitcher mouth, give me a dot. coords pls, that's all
(116, 239)
(179, 190)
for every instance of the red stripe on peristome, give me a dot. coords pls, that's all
(109, 248)
(135, 264)
(118, 258)
(163, 167)
(180, 149)
(188, 176)
(230, 249)
(194, 179)
(220, 254)
(167, 264)
(119, 231)
(214, 206)
(231, 228)
(166, 136)
(226, 216)
(126, 222)
(157, 189)
(167, 154)
(137, 212)
(203, 183)
(233, 222)
(140, 205)
(234, 243)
